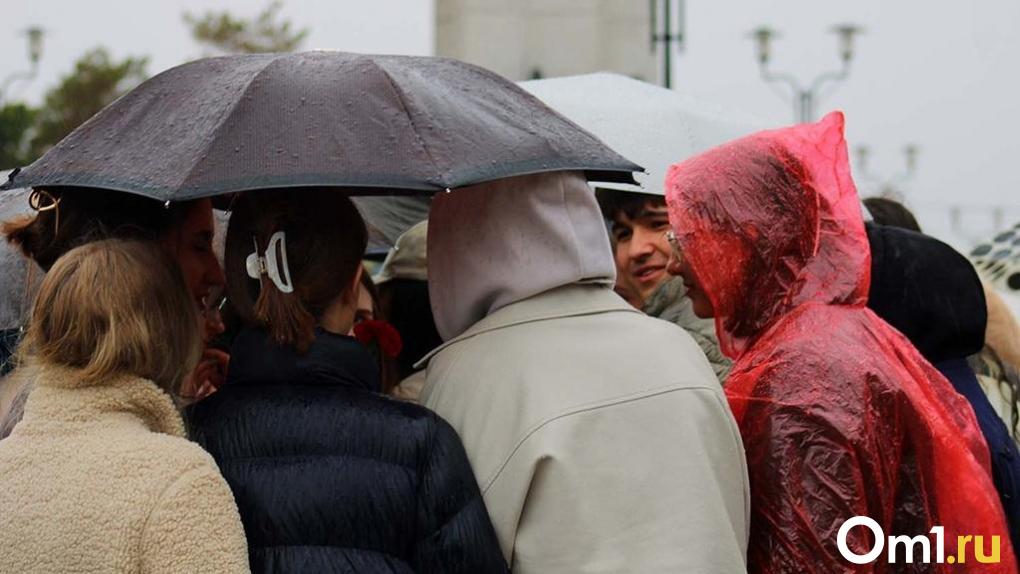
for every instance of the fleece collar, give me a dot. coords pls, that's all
(60, 398)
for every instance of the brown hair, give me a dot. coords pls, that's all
(614, 202)
(373, 294)
(325, 241)
(115, 307)
(389, 374)
(69, 217)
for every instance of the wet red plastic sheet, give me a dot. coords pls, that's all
(840, 415)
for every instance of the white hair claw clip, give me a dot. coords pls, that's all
(275, 267)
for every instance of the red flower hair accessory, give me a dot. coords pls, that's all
(380, 333)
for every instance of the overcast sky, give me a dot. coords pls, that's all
(933, 72)
(939, 73)
(155, 28)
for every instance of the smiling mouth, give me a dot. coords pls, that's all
(645, 274)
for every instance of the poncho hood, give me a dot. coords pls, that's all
(770, 222)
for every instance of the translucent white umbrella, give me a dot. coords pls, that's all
(19, 277)
(648, 124)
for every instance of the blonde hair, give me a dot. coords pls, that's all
(115, 307)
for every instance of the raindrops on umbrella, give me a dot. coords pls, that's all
(221, 125)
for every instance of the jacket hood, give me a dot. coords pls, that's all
(768, 223)
(928, 292)
(499, 242)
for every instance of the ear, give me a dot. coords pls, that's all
(351, 294)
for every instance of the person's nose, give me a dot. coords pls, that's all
(641, 244)
(674, 267)
(214, 275)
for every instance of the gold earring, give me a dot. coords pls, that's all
(52, 203)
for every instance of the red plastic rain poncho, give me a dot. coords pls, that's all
(840, 415)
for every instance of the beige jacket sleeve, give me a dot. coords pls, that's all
(1002, 333)
(652, 484)
(195, 528)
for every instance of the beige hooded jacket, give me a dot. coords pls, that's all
(599, 436)
(101, 479)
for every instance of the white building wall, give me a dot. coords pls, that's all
(516, 38)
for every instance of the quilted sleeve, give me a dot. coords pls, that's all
(456, 532)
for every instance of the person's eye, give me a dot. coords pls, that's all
(662, 224)
(621, 235)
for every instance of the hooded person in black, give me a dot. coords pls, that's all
(931, 294)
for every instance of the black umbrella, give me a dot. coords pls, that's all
(376, 123)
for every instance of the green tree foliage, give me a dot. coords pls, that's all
(15, 122)
(96, 81)
(223, 32)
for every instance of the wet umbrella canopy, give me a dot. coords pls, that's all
(377, 123)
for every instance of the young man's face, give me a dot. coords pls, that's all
(642, 250)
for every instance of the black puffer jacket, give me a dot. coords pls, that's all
(330, 476)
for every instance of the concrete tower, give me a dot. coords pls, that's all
(524, 39)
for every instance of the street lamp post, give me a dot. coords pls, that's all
(805, 98)
(889, 187)
(667, 36)
(35, 44)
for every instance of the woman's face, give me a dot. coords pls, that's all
(701, 304)
(191, 245)
(365, 310)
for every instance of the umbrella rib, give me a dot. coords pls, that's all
(440, 180)
(233, 107)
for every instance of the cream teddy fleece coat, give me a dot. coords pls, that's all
(101, 479)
